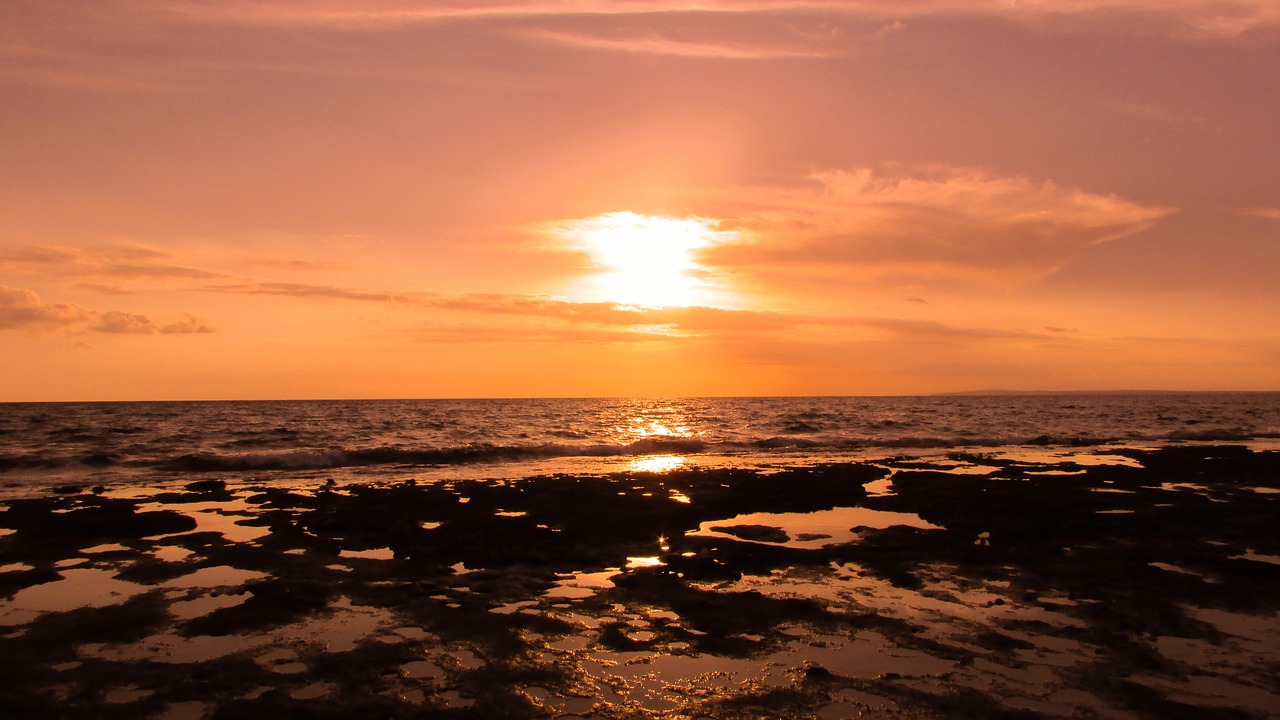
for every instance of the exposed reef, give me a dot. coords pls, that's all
(1099, 583)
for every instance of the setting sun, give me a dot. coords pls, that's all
(644, 259)
(636, 199)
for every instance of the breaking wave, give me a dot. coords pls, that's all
(325, 459)
(110, 442)
(484, 453)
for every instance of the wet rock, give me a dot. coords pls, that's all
(1088, 554)
(272, 603)
(760, 533)
(701, 567)
(91, 518)
(816, 672)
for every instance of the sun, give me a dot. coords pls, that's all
(644, 259)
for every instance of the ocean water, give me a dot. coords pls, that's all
(50, 444)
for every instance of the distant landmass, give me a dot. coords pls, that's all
(997, 391)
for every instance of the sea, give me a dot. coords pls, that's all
(78, 445)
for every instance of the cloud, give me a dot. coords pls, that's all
(306, 290)
(682, 319)
(653, 43)
(890, 27)
(533, 336)
(122, 262)
(487, 303)
(189, 325)
(636, 322)
(155, 271)
(120, 323)
(1215, 17)
(40, 255)
(943, 222)
(1268, 213)
(23, 310)
(104, 289)
(1162, 115)
(142, 46)
(297, 264)
(928, 329)
(605, 322)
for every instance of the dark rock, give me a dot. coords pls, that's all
(206, 486)
(760, 533)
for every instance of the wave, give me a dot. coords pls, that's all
(469, 454)
(1232, 434)
(337, 458)
(226, 459)
(293, 460)
(483, 453)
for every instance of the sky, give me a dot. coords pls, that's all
(585, 198)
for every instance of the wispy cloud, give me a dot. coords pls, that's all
(307, 290)
(1224, 17)
(535, 306)
(297, 264)
(653, 43)
(1269, 213)
(939, 222)
(142, 46)
(384, 13)
(480, 334)
(104, 289)
(118, 262)
(1162, 115)
(617, 322)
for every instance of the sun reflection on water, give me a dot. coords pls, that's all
(657, 463)
(642, 428)
(655, 428)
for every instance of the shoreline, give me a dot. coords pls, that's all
(958, 584)
(18, 483)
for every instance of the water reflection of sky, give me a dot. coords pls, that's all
(656, 463)
(645, 419)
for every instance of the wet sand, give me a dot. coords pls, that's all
(1099, 583)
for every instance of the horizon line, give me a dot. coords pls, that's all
(989, 392)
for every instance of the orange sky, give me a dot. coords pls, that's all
(590, 198)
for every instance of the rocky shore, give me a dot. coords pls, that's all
(1108, 583)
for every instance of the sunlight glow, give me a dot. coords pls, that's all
(646, 260)
(658, 464)
(656, 429)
